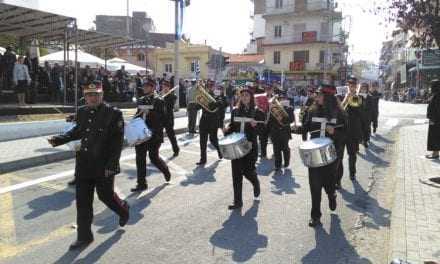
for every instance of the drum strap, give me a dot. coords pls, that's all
(324, 122)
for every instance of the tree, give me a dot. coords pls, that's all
(422, 17)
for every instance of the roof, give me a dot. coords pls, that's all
(159, 39)
(246, 58)
(51, 28)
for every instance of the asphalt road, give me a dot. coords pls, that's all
(188, 221)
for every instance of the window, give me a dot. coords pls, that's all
(278, 31)
(141, 57)
(278, 3)
(276, 57)
(193, 66)
(325, 31)
(336, 58)
(301, 56)
(169, 67)
(322, 56)
(298, 29)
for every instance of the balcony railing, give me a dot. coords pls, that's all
(295, 39)
(291, 8)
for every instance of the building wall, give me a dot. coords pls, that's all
(188, 54)
(139, 25)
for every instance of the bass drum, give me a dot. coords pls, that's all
(234, 146)
(318, 152)
(76, 144)
(136, 132)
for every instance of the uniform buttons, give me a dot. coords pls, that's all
(88, 129)
(93, 111)
(85, 149)
(86, 139)
(90, 120)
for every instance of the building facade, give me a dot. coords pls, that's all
(259, 28)
(190, 56)
(304, 40)
(139, 25)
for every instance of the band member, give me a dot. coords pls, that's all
(325, 106)
(263, 129)
(352, 105)
(367, 109)
(154, 119)
(100, 128)
(220, 96)
(311, 96)
(279, 131)
(244, 166)
(192, 108)
(170, 101)
(434, 121)
(208, 126)
(375, 111)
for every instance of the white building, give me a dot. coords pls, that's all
(259, 28)
(303, 39)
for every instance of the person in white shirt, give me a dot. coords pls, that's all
(21, 79)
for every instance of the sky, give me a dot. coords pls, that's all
(224, 23)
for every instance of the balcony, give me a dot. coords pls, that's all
(297, 39)
(291, 8)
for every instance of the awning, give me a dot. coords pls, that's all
(52, 29)
(422, 68)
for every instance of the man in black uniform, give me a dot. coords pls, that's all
(433, 114)
(151, 109)
(170, 100)
(367, 107)
(263, 129)
(354, 127)
(208, 126)
(375, 111)
(100, 128)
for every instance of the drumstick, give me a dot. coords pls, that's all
(319, 130)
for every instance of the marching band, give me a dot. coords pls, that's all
(328, 127)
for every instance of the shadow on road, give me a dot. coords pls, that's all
(240, 234)
(284, 183)
(265, 167)
(333, 247)
(109, 221)
(201, 174)
(375, 148)
(372, 157)
(360, 201)
(47, 150)
(47, 203)
(380, 138)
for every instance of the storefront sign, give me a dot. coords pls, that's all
(309, 36)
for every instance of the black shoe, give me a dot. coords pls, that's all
(220, 156)
(202, 162)
(366, 144)
(277, 169)
(286, 165)
(79, 244)
(337, 186)
(167, 177)
(352, 176)
(432, 157)
(124, 219)
(72, 182)
(235, 206)
(314, 222)
(139, 188)
(374, 130)
(257, 191)
(332, 202)
(176, 153)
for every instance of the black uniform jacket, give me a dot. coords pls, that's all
(278, 131)
(101, 131)
(368, 106)
(209, 121)
(154, 118)
(433, 115)
(375, 96)
(249, 131)
(356, 123)
(222, 105)
(170, 101)
(341, 120)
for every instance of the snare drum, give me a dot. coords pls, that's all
(234, 146)
(76, 144)
(136, 132)
(318, 152)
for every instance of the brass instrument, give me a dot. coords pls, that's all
(351, 100)
(278, 112)
(163, 95)
(204, 99)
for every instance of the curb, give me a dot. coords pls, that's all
(53, 157)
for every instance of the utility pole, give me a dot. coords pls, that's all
(176, 52)
(127, 24)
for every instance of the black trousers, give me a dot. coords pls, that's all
(321, 177)
(192, 118)
(153, 154)
(281, 151)
(243, 167)
(367, 128)
(212, 133)
(339, 165)
(169, 129)
(263, 137)
(352, 150)
(85, 189)
(373, 120)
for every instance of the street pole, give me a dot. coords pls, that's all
(176, 53)
(127, 24)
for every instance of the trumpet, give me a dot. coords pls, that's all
(278, 112)
(351, 100)
(204, 99)
(162, 96)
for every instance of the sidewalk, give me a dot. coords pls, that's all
(35, 151)
(415, 221)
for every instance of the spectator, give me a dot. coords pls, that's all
(21, 80)
(434, 121)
